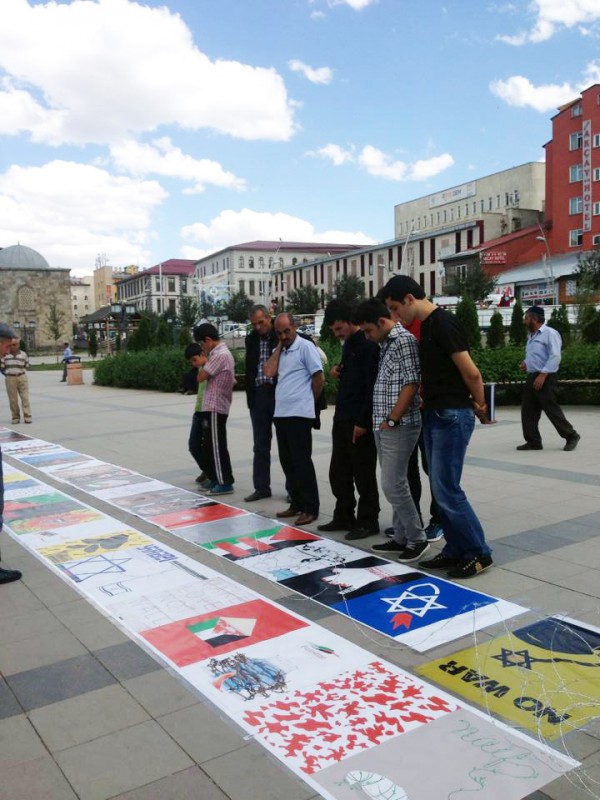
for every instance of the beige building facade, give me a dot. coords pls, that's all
(82, 297)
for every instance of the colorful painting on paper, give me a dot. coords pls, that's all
(49, 522)
(96, 545)
(208, 635)
(53, 459)
(38, 504)
(98, 476)
(475, 757)
(236, 548)
(544, 677)
(7, 435)
(326, 723)
(205, 513)
(164, 501)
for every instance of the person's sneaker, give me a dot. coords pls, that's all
(389, 532)
(202, 477)
(412, 552)
(207, 484)
(468, 567)
(439, 562)
(391, 548)
(570, 445)
(360, 533)
(529, 446)
(9, 575)
(220, 489)
(434, 532)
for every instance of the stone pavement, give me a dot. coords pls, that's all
(86, 713)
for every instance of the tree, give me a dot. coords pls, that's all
(517, 333)
(238, 306)
(559, 320)
(587, 272)
(304, 300)
(142, 338)
(349, 288)
(590, 325)
(92, 343)
(466, 313)
(184, 338)
(495, 334)
(189, 312)
(55, 323)
(476, 284)
(206, 307)
(162, 336)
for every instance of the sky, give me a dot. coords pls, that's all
(136, 132)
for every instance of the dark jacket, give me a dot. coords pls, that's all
(360, 360)
(252, 361)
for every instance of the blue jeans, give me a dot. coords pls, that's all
(394, 447)
(446, 434)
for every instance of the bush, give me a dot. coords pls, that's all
(495, 334)
(559, 320)
(516, 332)
(159, 369)
(466, 313)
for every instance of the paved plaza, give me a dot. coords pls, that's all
(87, 713)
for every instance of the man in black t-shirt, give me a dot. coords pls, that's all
(453, 396)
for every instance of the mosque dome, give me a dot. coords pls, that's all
(20, 257)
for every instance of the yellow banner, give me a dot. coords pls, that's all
(94, 546)
(544, 677)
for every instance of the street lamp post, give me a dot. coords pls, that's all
(122, 311)
(548, 268)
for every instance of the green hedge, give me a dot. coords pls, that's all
(579, 361)
(159, 369)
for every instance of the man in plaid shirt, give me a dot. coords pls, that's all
(396, 424)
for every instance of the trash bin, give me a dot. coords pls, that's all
(74, 374)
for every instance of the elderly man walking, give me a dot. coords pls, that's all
(542, 360)
(297, 365)
(14, 365)
(6, 336)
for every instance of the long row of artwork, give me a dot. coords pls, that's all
(343, 719)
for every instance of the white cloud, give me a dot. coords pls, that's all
(70, 212)
(106, 70)
(336, 154)
(520, 92)
(428, 168)
(357, 5)
(233, 227)
(163, 158)
(554, 14)
(318, 75)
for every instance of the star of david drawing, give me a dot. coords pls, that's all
(410, 599)
(514, 658)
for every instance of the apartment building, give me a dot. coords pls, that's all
(159, 288)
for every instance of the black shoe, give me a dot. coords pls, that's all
(201, 478)
(439, 562)
(391, 548)
(360, 533)
(335, 525)
(9, 575)
(468, 567)
(528, 446)
(572, 442)
(256, 496)
(413, 552)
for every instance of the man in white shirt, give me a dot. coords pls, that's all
(299, 371)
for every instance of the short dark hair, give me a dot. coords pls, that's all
(206, 331)
(371, 311)
(339, 311)
(399, 286)
(193, 349)
(256, 308)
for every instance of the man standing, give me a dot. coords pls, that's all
(452, 396)
(14, 365)
(6, 336)
(260, 396)
(396, 423)
(219, 374)
(542, 360)
(300, 380)
(66, 360)
(354, 455)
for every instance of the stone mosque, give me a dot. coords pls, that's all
(29, 287)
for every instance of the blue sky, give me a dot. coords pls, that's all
(150, 131)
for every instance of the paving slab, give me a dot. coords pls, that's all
(39, 779)
(19, 741)
(201, 732)
(191, 784)
(160, 693)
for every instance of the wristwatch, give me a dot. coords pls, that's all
(391, 422)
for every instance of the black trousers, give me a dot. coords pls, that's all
(262, 431)
(294, 441)
(354, 464)
(195, 440)
(532, 405)
(215, 455)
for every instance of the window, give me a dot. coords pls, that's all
(158, 284)
(596, 239)
(575, 205)
(576, 238)
(597, 173)
(575, 140)
(171, 284)
(489, 203)
(575, 173)
(241, 262)
(242, 286)
(183, 282)
(251, 287)
(576, 111)
(596, 209)
(261, 262)
(251, 262)
(596, 140)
